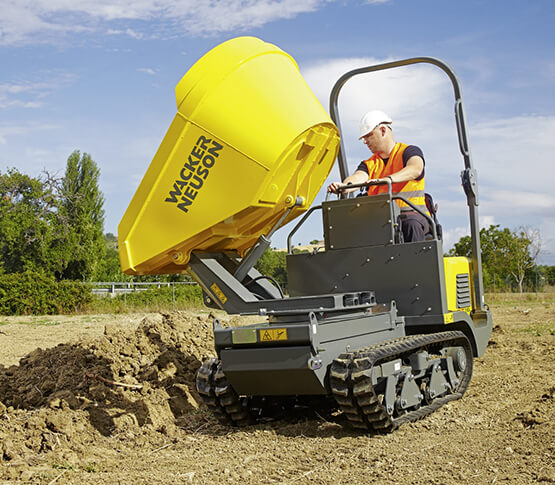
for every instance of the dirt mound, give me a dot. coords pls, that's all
(542, 412)
(127, 382)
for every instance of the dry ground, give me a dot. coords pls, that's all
(61, 423)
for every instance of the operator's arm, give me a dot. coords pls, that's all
(359, 177)
(412, 170)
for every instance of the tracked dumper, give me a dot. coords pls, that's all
(381, 330)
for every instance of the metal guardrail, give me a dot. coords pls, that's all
(113, 288)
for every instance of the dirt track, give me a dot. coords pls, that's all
(61, 420)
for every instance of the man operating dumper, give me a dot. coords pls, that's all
(402, 164)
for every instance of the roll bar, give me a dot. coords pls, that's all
(469, 176)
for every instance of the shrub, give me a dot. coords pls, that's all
(152, 299)
(34, 293)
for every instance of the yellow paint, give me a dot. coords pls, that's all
(454, 266)
(448, 317)
(255, 137)
(272, 334)
(219, 293)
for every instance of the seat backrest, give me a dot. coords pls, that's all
(432, 209)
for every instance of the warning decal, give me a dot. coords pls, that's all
(271, 334)
(219, 293)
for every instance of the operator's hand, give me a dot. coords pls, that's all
(334, 187)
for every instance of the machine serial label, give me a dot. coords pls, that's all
(243, 336)
(271, 334)
(194, 173)
(219, 293)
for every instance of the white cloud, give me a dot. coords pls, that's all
(419, 98)
(30, 21)
(416, 97)
(29, 94)
(13, 94)
(147, 70)
(8, 130)
(516, 202)
(515, 160)
(516, 152)
(453, 235)
(23, 154)
(486, 221)
(128, 32)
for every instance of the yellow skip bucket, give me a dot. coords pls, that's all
(249, 137)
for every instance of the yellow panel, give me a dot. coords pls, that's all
(248, 135)
(454, 266)
(271, 334)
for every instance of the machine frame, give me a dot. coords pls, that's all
(369, 321)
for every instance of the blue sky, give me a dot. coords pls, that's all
(99, 76)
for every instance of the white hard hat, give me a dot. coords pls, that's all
(372, 119)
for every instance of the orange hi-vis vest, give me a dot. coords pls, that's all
(413, 190)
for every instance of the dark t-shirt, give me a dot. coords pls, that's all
(410, 151)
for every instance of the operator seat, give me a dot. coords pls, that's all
(432, 209)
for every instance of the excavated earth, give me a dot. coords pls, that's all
(111, 399)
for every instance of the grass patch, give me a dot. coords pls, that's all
(181, 297)
(90, 468)
(515, 299)
(63, 466)
(42, 321)
(539, 329)
(37, 321)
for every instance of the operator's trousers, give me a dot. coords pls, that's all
(414, 226)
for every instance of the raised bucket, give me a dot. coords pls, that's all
(249, 137)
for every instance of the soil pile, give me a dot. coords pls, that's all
(128, 383)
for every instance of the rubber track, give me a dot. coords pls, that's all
(219, 396)
(350, 380)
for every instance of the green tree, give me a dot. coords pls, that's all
(549, 274)
(506, 254)
(28, 220)
(525, 249)
(82, 217)
(108, 268)
(273, 264)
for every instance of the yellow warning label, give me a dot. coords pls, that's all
(271, 334)
(219, 293)
(448, 317)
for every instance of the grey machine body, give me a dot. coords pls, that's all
(366, 287)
